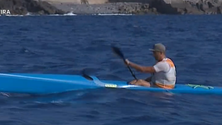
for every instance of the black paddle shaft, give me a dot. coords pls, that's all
(118, 52)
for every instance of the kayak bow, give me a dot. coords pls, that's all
(54, 83)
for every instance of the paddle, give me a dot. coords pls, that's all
(118, 52)
(84, 74)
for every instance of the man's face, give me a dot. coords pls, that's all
(156, 55)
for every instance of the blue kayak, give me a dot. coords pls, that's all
(56, 83)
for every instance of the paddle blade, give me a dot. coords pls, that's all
(118, 52)
(85, 75)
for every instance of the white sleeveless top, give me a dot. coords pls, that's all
(165, 72)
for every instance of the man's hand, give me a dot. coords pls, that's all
(127, 62)
(144, 69)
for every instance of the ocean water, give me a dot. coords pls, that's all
(70, 44)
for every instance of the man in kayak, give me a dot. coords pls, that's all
(163, 72)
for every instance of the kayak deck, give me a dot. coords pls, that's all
(179, 88)
(56, 83)
(43, 83)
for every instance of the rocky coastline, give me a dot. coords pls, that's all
(45, 7)
(23, 7)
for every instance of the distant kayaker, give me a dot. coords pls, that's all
(163, 72)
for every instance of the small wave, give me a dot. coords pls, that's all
(13, 15)
(54, 15)
(67, 14)
(28, 14)
(70, 14)
(73, 14)
(5, 94)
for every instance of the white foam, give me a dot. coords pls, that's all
(113, 14)
(70, 14)
(14, 15)
(73, 14)
(55, 15)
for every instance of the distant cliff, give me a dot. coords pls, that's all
(113, 6)
(172, 6)
(22, 7)
(140, 6)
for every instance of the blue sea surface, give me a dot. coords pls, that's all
(70, 44)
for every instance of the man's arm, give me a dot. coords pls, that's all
(144, 69)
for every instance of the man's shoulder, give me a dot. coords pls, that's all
(162, 63)
(169, 59)
(165, 62)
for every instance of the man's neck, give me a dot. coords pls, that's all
(161, 59)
